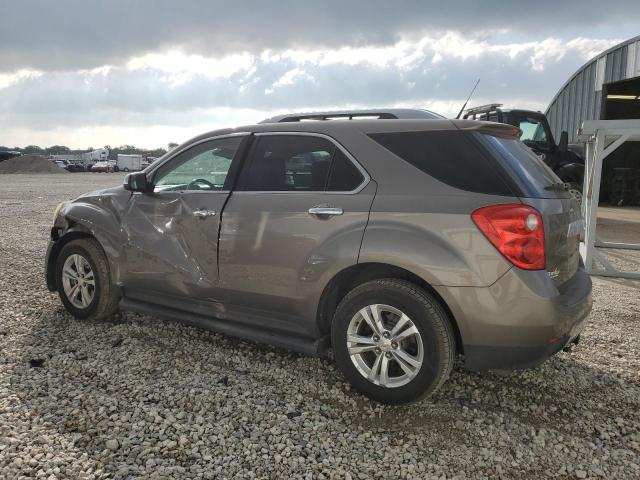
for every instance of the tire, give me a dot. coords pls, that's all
(576, 191)
(125, 169)
(104, 297)
(435, 334)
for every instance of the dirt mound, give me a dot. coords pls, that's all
(30, 164)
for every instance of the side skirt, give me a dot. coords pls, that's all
(298, 344)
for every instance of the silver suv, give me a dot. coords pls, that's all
(396, 238)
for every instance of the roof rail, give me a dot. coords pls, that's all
(379, 114)
(483, 108)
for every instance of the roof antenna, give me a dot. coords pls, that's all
(468, 98)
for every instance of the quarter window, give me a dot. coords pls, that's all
(344, 176)
(202, 167)
(298, 163)
(448, 156)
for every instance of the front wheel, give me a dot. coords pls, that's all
(393, 341)
(83, 281)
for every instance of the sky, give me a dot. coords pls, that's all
(88, 73)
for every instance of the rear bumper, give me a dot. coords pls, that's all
(519, 321)
(480, 357)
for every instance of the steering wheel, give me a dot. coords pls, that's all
(200, 181)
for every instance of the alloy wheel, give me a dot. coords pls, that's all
(78, 281)
(385, 345)
(577, 194)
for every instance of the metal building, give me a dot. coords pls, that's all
(605, 88)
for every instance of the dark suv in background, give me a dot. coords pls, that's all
(397, 238)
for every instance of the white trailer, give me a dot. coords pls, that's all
(85, 159)
(129, 163)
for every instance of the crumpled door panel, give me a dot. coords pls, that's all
(167, 248)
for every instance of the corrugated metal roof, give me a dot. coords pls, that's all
(578, 99)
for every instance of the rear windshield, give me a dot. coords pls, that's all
(452, 157)
(529, 172)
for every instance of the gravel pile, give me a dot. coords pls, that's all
(29, 164)
(139, 397)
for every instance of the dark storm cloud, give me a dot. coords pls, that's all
(147, 96)
(72, 34)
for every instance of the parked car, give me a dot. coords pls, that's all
(102, 167)
(7, 154)
(398, 244)
(76, 167)
(61, 164)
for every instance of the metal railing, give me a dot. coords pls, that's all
(602, 138)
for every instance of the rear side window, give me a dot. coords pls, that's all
(289, 163)
(529, 172)
(299, 163)
(344, 176)
(451, 157)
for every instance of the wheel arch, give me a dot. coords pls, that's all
(59, 240)
(571, 172)
(350, 277)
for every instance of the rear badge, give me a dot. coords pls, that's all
(553, 275)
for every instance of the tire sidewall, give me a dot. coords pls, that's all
(71, 249)
(429, 376)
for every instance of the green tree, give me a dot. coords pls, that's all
(58, 150)
(33, 150)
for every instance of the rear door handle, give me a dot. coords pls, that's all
(203, 213)
(325, 211)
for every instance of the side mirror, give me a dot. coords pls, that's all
(563, 146)
(137, 182)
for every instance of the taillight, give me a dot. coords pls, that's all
(517, 232)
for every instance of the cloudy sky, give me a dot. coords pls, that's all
(146, 72)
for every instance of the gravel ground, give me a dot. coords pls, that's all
(139, 397)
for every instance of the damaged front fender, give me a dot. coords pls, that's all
(94, 215)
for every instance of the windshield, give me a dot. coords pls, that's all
(533, 132)
(531, 174)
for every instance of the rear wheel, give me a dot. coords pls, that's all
(83, 281)
(393, 341)
(576, 191)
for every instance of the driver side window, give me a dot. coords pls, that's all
(202, 167)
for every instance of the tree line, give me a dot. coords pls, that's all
(62, 150)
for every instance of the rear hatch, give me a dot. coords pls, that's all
(536, 185)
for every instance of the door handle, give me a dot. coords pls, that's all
(325, 211)
(203, 213)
